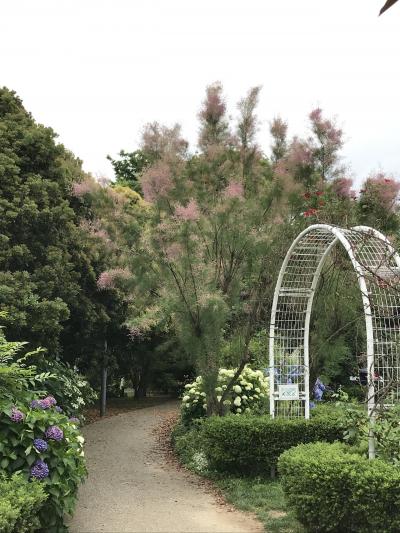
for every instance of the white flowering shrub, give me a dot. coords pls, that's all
(249, 395)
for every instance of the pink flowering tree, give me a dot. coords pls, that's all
(379, 201)
(204, 261)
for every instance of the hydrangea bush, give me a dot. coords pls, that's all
(70, 388)
(47, 447)
(249, 395)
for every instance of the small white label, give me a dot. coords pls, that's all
(288, 392)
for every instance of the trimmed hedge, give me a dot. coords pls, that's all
(253, 444)
(334, 489)
(20, 503)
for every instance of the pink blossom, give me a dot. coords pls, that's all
(282, 168)
(190, 212)
(214, 106)
(278, 128)
(342, 187)
(316, 114)
(157, 182)
(107, 278)
(82, 188)
(105, 281)
(173, 251)
(234, 190)
(101, 234)
(159, 140)
(300, 153)
(326, 129)
(135, 332)
(385, 190)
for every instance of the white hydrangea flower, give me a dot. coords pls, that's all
(227, 402)
(219, 398)
(237, 401)
(257, 389)
(185, 399)
(238, 410)
(237, 389)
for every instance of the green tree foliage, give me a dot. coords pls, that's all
(49, 265)
(128, 167)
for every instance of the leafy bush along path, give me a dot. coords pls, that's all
(132, 488)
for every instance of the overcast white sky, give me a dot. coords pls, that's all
(97, 70)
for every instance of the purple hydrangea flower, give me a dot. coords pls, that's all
(40, 444)
(54, 433)
(45, 404)
(74, 420)
(17, 415)
(58, 409)
(39, 470)
(319, 389)
(51, 400)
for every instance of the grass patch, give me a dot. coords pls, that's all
(259, 495)
(262, 497)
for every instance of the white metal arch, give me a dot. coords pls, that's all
(377, 266)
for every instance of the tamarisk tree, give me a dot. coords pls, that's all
(204, 258)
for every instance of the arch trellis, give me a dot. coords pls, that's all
(377, 266)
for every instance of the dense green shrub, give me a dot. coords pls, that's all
(188, 445)
(248, 395)
(332, 488)
(46, 445)
(254, 443)
(20, 502)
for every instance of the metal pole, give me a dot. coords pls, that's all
(103, 402)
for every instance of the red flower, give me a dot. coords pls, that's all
(387, 180)
(309, 212)
(319, 193)
(307, 195)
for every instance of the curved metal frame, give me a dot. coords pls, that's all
(376, 264)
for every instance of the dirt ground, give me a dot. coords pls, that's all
(133, 487)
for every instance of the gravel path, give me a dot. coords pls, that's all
(131, 488)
